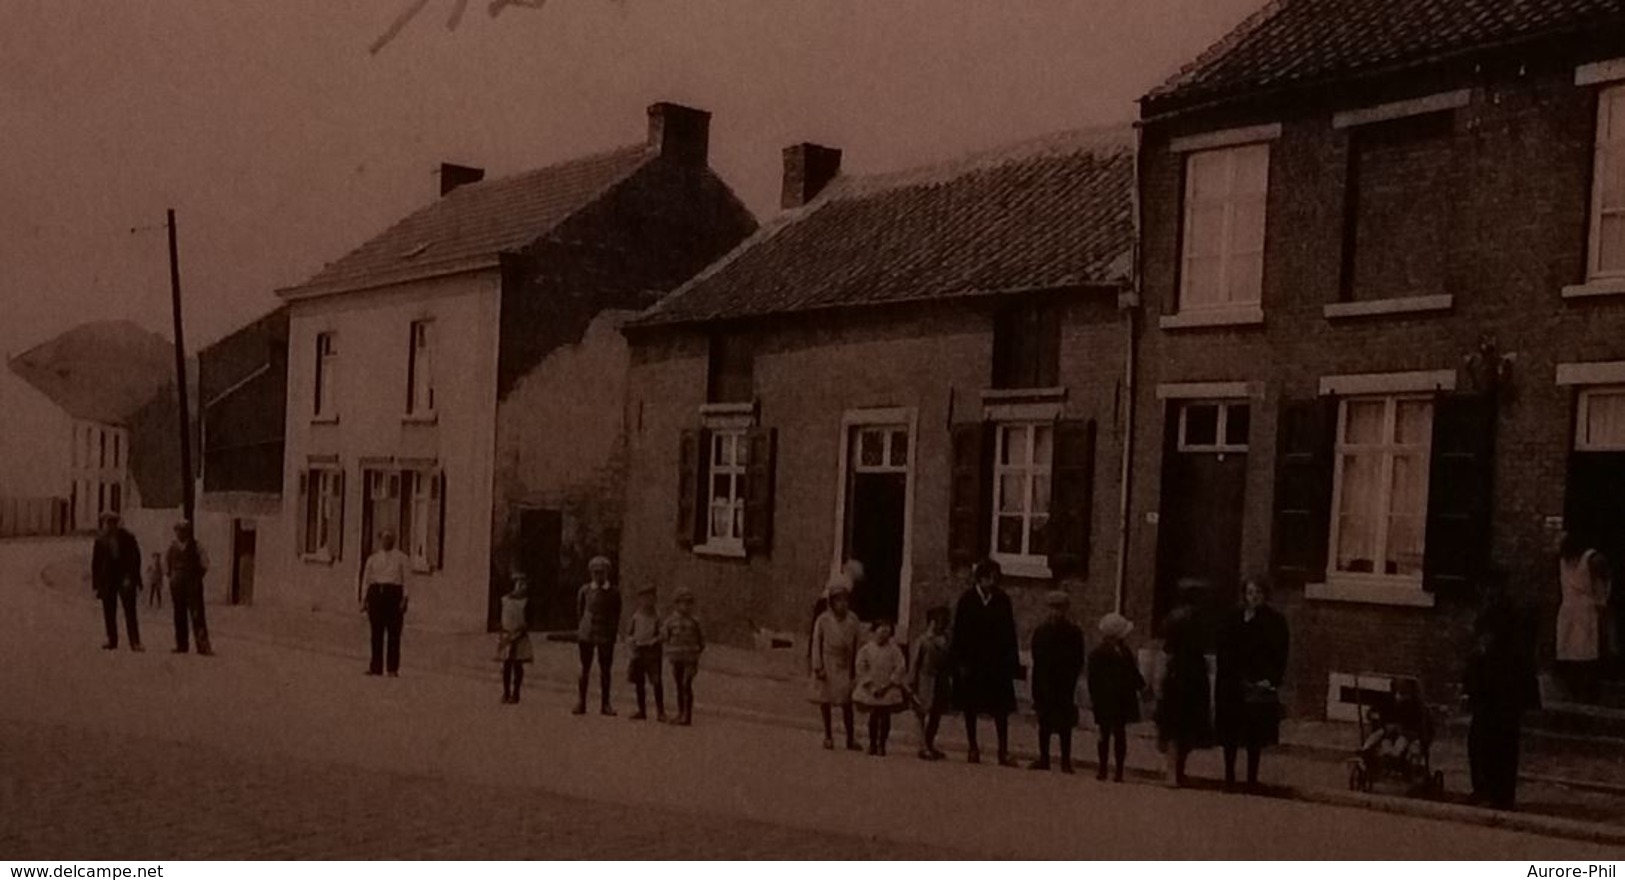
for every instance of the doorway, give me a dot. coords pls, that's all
(1204, 487)
(244, 537)
(875, 500)
(552, 606)
(1594, 498)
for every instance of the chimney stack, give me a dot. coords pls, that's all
(679, 133)
(453, 176)
(808, 168)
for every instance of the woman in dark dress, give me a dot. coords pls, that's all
(1500, 687)
(1252, 652)
(985, 659)
(1183, 716)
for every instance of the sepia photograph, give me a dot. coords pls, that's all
(721, 431)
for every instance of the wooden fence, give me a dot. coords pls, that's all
(34, 517)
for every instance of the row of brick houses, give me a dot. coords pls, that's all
(1339, 312)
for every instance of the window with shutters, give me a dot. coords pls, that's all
(1222, 243)
(1022, 457)
(725, 495)
(1027, 346)
(321, 505)
(1607, 257)
(1599, 424)
(420, 402)
(1380, 488)
(325, 392)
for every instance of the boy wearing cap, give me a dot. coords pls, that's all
(643, 634)
(598, 605)
(1115, 686)
(684, 642)
(1058, 655)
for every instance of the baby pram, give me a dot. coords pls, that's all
(1396, 740)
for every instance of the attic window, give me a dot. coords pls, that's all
(417, 250)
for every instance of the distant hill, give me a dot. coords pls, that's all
(102, 371)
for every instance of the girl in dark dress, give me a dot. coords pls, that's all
(1184, 719)
(1252, 653)
(1115, 685)
(985, 659)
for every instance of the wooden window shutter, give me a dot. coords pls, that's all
(1459, 493)
(1303, 489)
(970, 492)
(437, 519)
(338, 514)
(1047, 373)
(304, 512)
(1072, 492)
(691, 457)
(761, 452)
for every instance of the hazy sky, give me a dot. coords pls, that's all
(282, 143)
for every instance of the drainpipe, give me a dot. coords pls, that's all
(1130, 305)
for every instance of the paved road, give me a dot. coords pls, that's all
(266, 751)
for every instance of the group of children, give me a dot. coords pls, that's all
(677, 641)
(875, 676)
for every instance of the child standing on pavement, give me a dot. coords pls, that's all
(1115, 686)
(1058, 657)
(643, 634)
(881, 668)
(683, 643)
(513, 645)
(928, 680)
(155, 581)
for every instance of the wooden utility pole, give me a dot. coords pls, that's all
(180, 373)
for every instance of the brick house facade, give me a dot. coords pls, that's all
(884, 373)
(1379, 255)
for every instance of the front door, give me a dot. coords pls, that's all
(552, 605)
(243, 540)
(1594, 498)
(1204, 482)
(876, 516)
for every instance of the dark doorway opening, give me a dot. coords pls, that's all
(244, 538)
(536, 554)
(1594, 512)
(877, 517)
(1204, 488)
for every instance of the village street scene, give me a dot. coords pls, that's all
(1226, 464)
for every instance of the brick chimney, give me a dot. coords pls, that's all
(808, 168)
(453, 176)
(680, 133)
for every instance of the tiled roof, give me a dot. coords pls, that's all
(1293, 42)
(1047, 214)
(477, 222)
(100, 372)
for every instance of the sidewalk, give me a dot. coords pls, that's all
(768, 688)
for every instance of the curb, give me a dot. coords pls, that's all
(1547, 826)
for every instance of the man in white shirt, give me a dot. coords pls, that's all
(384, 577)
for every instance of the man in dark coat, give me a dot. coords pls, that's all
(115, 577)
(985, 658)
(1252, 659)
(186, 564)
(1058, 655)
(1500, 685)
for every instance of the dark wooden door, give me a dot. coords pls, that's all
(552, 604)
(244, 538)
(1200, 517)
(875, 538)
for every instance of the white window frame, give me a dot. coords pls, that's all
(1025, 563)
(731, 543)
(1388, 449)
(324, 400)
(1231, 201)
(1222, 444)
(320, 484)
(420, 392)
(1582, 442)
(1604, 152)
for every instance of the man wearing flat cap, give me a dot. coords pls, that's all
(186, 564)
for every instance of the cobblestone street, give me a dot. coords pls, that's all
(271, 751)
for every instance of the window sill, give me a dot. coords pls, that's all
(1022, 395)
(420, 418)
(324, 420)
(1595, 287)
(317, 559)
(422, 568)
(1230, 316)
(1370, 591)
(1410, 305)
(1024, 567)
(723, 551)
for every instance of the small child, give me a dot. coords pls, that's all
(881, 668)
(155, 581)
(643, 635)
(684, 642)
(929, 684)
(1115, 686)
(1058, 657)
(513, 645)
